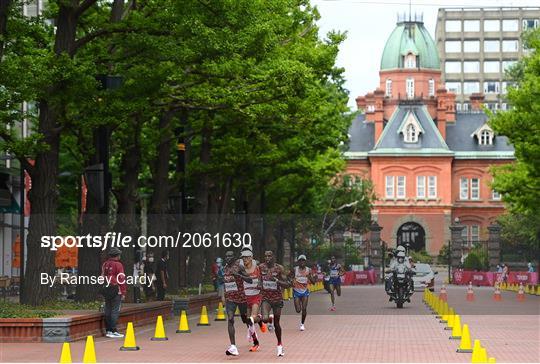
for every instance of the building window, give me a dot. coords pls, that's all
(471, 25)
(389, 186)
(421, 186)
(453, 25)
(471, 46)
(495, 195)
(471, 66)
(371, 108)
(492, 25)
(466, 106)
(475, 188)
(491, 87)
(491, 66)
(504, 106)
(471, 87)
(465, 235)
(463, 188)
(410, 61)
(410, 88)
(530, 24)
(475, 233)
(485, 137)
(454, 87)
(458, 107)
(389, 87)
(411, 135)
(431, 88)
(400, 187)
(506, 65)
(452, 67)
(492, 46)
(432, 186)
(452, 46)
(510, 25)
(510, 45)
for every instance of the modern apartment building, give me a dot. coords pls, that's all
(477, 45)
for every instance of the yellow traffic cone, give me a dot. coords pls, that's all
(456, 329)
(492, 360)
(290, 293)
(203, 321)
(89, 355)
(445, 312)
(65, 357)
(483, 355)
(451, 317)
(476, 355)
(159, 334)
(220, 313)
(285, 294)
(129, 341)
(237, 312)
(465, 343)
(183, 326)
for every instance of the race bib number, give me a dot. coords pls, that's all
(252, 285)
(231, 287)
(334, 274)
(302, 280)
(270, 285)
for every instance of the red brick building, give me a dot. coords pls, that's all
(429, 164)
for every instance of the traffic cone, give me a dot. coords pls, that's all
(456, 328)
(520, 295)
(290, 293)
(470, 293)
(451, 317)
(89, 355)
(220, 316)
(465, 343)
(65, 357)
(237, 312)
(476, 352)
(527, 289)
(159, 333)
(204, 318)
(445, 312)
(492, 360)
(183, 326)
(483, 355)
(497, 293)
(285, 294)
(442, 294)
(538, 290)
(129, 341)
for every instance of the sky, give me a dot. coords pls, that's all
(368, 24)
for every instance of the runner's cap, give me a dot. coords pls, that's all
(302, 256)
(246, 253)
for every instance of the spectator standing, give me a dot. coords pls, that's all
(530, 267)
(114, 293)
(148, 269)
(162, 275)
(505, 273)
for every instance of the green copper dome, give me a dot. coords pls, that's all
(410, 37)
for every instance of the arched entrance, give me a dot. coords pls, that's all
(413, 234)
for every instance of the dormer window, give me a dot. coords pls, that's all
(484, 134)
(410, 61)
(410, 88)
(388, 88)
(411, 135)
(410, 128)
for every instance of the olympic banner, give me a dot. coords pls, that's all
(489, 278)
(358, 277)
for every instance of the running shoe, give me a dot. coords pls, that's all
(302, 328)
(280, 351)
(110, 334)
(333, 308)
(263, 327)
(117, 334)
(254, 348)
(232, 350)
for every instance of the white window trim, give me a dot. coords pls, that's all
(389, 184)
(421, 183)
(475, 236)
(410, 88)
(388, 87)
(496, 196)
(434, 186)
(463, 188)
(477, 189)
(431, 88)
(403, 188)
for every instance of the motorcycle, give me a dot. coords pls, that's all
(402, 285)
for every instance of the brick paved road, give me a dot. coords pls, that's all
(365, 328)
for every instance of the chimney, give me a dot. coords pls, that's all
(379, 113)
(477, 100)
(361, 103)
(450, 107)
(442, 105)
(370, 107)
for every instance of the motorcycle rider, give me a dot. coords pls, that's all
(399, 253)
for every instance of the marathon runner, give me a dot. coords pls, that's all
(253, 297)
(301, 276)
(273, 281)
(335, 271)
(233, 277)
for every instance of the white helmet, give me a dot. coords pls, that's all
(400, 248)
(401, 254)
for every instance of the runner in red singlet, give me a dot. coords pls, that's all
(253, 297)
(273, 281)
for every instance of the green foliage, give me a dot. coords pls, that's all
(477, 259)
(444, 255)
(351, 254)
(520, 235)
(472, 262)
(16, 310)
(421, 256)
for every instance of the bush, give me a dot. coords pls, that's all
(444, 255)
(421, 257)
(15, 310)
(472, 262)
